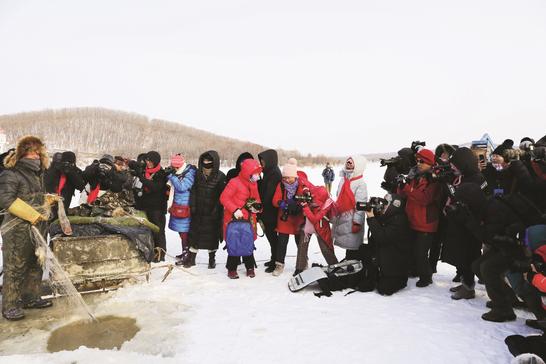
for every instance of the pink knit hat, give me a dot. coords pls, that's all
(177, 161)
(290, 170)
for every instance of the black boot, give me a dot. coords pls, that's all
(212, 260)
(498, 315)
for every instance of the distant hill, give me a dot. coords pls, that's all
(91, 132)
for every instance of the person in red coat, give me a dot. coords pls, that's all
(316, 222)
(235, 196)
(422, 207)
(290, 216)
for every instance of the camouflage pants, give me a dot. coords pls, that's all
(22, 272)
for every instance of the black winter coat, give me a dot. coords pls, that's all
(515, 178)
(207, 212)
(390, 234)
(267, 186)
(110, 181)
(154, 192)
(74, 181)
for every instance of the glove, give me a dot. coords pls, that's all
(387, 186)
(52, 199)
(356, 228)
(24, 211)
(238, 214)
(293, 207)
(283, 204)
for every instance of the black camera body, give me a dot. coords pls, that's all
(303, 198)
(136, 167)
(169, 170)
(394, 161)
(375, 204)
(416, 145)
(443, 172)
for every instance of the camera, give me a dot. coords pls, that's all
(303, 198)
(416, 145)
(538, 154)
(443, 172)
(170, 170)
(394, 161)
(375, 203)
(136, 167)
(253, 206)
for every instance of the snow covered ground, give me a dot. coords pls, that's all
(204, 317)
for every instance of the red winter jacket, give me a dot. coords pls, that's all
(238, 191)
(422, 205)
(292, 225)
(318, 214)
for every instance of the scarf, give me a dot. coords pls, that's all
(150, 171)
(346, 200)
(62, 182)
(291, 189)
(93, 194)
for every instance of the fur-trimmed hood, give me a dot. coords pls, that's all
(27, 144)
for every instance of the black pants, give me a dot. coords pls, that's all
(158, 218)
(233, 262)
(273, 239)
(467, 276)
(434, 255)
(282, 243)
(353, 254)
(491, 268)
(421, 247)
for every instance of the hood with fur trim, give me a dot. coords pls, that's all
(26, 145)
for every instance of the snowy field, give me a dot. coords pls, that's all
(204, 317)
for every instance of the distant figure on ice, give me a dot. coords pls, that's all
(329, 176)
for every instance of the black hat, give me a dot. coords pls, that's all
(107, 159)
(527, 139)
(444, 148)
(68, 157)
(507, 144)
(153, 157)
(57, 157)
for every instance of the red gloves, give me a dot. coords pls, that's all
(356, 228)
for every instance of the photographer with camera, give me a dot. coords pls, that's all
(460, 247)
(535, 161)
(135, 168)
(390, 237)
(422, 193)
(397, 167)
(101, 175)
(316, 205)
(348, 223)
(64, 178)
(290, 216)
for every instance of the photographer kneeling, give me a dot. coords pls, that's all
(390, 235)
(101, 175)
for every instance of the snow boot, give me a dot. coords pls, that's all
(270, 263)
(536, 324)
(270, 268)
(464, 292)
(279, 268)
(250, 273)
(14, 314)
(189, 261)
(212, 260)
(232, 274)
(497, 315)
(423, 282)
(456, 288)
(38, 303)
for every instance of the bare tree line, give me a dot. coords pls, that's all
(96, 131)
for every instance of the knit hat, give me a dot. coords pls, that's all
(290, 170)
(107, 159)
(153, 157)
(292, 161)
(507, 144)
(426, 155)
(68, 157)
(177, 161)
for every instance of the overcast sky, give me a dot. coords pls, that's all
(337, 77)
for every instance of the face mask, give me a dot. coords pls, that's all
(255, 178)
(207, 165)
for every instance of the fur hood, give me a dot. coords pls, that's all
(25, 145)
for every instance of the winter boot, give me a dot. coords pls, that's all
(457, 278)
(270, 268)
(279, 268)
(464, 292)
(190, 261)
(232, 274)
(212, 260)
(14, 314)
(536, 324)
(270, 263)
(38, 303)
(423, 282)
(498, 315)
(250, 273)
(456, 288)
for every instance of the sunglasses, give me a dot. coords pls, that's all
(420, 161)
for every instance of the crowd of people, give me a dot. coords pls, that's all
(481, 211)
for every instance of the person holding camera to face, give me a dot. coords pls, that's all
(290, 216)
(101, 175)
(390, 237)
(422, 193)
(64, 178)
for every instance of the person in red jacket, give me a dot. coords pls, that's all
(422, 207)
(290, 216)
(235, 196)
(317, 222)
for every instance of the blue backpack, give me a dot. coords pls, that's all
(240, 238)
